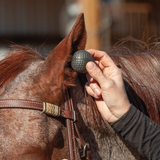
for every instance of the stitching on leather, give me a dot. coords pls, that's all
(18, 106)
(72, 125)
(19, 101)
(69, 128)
(73, 140)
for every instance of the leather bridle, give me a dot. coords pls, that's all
(50, 109)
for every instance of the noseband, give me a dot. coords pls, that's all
(50, 109)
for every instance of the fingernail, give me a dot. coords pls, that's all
(97, 92)
(91, 79)
(90, 65)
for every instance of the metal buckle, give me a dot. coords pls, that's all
(74, 114)
(51, 109)
(84, 150)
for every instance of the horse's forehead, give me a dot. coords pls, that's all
(21, 86)
(30, 72)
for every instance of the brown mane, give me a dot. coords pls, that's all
(16, 61)
(141, 70)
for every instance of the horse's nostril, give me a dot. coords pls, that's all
(80, 59)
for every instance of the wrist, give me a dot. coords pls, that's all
(115, 122)
(119, 119)
(122, 110)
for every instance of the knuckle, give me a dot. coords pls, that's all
(110, 85)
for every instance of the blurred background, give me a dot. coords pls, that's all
(44, 23)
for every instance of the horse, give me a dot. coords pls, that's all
(32, 135)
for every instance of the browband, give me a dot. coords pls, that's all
(47, 108)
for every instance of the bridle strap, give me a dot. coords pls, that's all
(86, 153)
(47, 108)
(70, 129)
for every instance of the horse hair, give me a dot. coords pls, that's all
(141, 70)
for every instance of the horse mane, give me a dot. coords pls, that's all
(141, 71)
(17, 60)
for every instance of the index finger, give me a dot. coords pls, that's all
(102, 57)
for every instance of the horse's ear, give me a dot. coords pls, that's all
(58, 63)
(76, 40)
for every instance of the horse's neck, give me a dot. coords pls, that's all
(88, 125)
(104, 142)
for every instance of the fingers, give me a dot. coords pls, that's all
(96, 73)
(92, 87)
(93, 90)
(102, 57)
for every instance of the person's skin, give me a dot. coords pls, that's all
(105, 84)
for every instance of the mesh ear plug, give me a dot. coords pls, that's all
(80, 59)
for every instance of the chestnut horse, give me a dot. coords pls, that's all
(32, 135)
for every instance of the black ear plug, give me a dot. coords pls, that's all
(80, 59)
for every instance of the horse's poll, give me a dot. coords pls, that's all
(80, 59)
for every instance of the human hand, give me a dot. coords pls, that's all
(105, 84)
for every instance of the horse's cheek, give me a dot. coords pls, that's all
(26, 134)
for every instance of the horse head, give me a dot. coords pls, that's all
(30, 134)
(25, 75)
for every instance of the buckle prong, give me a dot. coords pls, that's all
(84, 150)
(74, 114)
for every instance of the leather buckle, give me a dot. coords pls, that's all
(51, 109)
(86, 146)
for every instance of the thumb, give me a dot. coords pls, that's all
(95, 72)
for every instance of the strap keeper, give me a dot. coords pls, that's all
(51, 109)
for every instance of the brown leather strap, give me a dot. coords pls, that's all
(85, 146)
(24, 104)
(70, 130)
